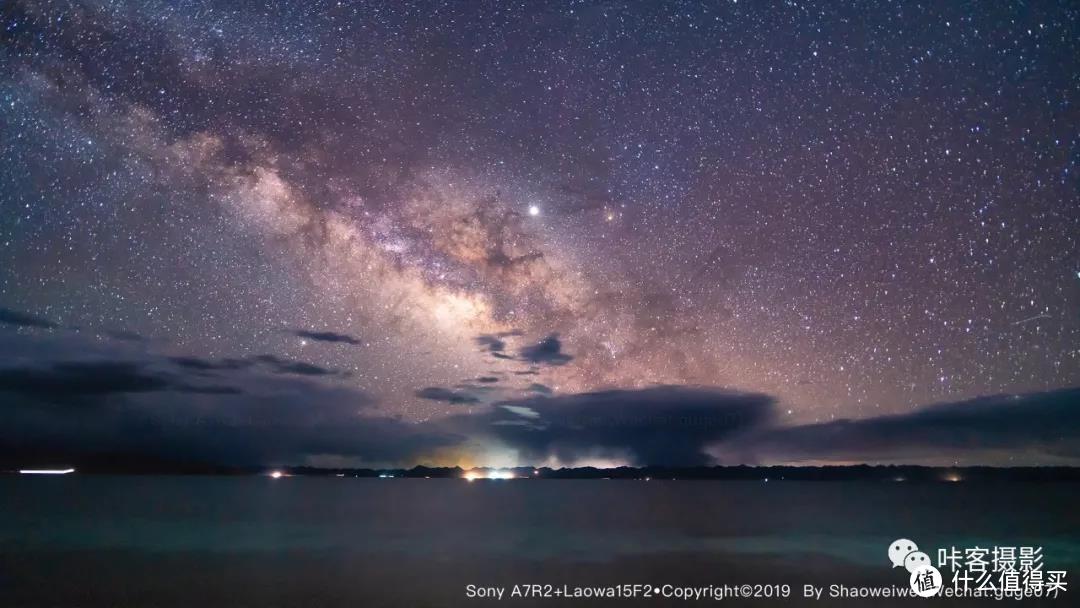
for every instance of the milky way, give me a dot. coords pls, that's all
(858, 209)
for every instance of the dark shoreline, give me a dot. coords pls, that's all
(884, 473)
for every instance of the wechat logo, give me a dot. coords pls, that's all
(925, 579)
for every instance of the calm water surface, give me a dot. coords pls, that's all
(197, 541)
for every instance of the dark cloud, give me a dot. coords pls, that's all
(161, 409)
(272, 362)
(496, 343)
(286, 366)
(327, 336)
(673, 425)
(147, 407)
(487, 379)
(536, 387)
(666, 425)
(294, 423)
(79, 380)
(212, 390)
(548, 351)
(22, 319)
(86, 382)
(437, 393)
(491, 343)
(1038, 423)
(207, 365)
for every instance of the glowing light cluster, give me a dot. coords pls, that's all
(474, 475)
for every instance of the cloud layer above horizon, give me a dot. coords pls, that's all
(71, 398)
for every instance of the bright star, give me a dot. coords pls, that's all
(534, 210)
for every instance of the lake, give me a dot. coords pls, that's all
(327, 541)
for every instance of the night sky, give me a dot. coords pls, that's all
(458, 217)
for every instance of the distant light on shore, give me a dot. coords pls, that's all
(277, 474)
(46, 471)
(474, 475)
